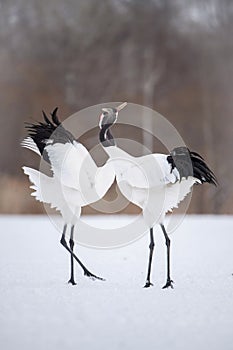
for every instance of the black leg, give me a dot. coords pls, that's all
(85, 270)
(151, 247)
(71, 280)
(169, 282)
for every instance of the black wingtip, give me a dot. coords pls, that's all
(46, 118)
(196, 154)
(201, 169)
(190, 163)
(55, 117)
(55, 110)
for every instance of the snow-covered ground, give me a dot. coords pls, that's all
(40, 311)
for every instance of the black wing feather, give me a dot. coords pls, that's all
(197, 155)
(46, 119)
(191, 164)
(54, 117)
(53, 131)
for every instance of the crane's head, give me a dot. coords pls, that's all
(109, 115)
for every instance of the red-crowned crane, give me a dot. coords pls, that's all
(156, 183)
(76, 182)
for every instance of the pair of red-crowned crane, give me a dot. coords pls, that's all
(156, 183)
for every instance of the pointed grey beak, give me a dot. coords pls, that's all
(123, 105)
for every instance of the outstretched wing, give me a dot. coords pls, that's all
(30, 144)
(46, 132)
(72, 164)
(48, 190)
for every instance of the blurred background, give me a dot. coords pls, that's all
(174, 56)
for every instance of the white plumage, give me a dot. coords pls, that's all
(156, 183)
(150, 183)
(77, 180)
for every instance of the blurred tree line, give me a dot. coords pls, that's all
(173, 56)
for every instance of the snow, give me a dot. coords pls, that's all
(39, 310)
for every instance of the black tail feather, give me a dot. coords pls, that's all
(201, 170)
(191, 164)
(197, 155)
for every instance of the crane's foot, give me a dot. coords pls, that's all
(72, 281)
(92, 276)
(148, 284)
(169, 284)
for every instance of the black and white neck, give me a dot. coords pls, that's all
(105, 136)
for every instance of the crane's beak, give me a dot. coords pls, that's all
(123, 105)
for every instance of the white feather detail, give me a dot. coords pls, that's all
(30, 144)
(150, 183)
(73, 166)
(48, 190)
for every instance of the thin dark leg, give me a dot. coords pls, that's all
(85, 270)
(151, 247)
(71, 280)
(167, 239)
